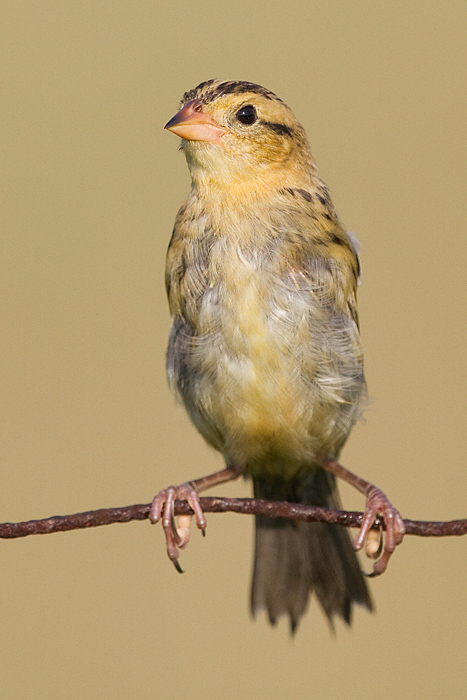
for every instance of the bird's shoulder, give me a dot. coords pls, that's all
(316, 250)
(296, 240)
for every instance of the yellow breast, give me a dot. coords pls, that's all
(256, 393)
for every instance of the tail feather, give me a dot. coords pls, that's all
(293, 559)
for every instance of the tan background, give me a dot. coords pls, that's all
(91, 185)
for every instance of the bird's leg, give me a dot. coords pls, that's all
(376, 503)
(162, 507)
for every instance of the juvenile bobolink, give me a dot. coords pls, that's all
(264, 349)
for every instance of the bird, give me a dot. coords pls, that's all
(264, 349)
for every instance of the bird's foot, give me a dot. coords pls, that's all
(377, 503)
(177, 536)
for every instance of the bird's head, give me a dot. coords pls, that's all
(235, 132)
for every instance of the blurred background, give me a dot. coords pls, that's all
(90, 187)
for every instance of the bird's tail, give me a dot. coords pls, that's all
(293, 559)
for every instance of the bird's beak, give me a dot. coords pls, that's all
(192, 124)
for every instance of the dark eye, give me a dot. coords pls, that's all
(247, 115)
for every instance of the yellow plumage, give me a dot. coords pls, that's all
(264, 349)
(267, 287)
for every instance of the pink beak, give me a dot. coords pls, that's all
(192, 124)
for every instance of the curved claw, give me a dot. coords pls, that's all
(374, 544)
(188, 492)
(378, 503)
(162, 508)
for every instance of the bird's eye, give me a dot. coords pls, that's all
(247, 115)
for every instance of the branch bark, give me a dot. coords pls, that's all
(246, 506)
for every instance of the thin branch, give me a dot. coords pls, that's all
(247, 506)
